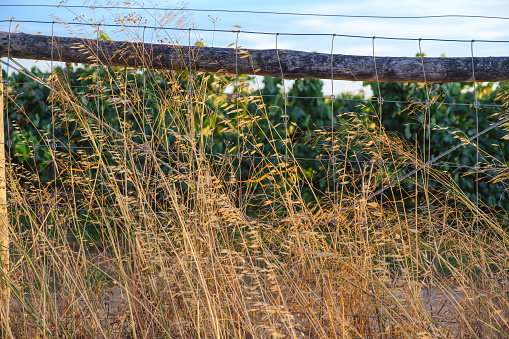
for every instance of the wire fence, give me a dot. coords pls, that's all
(377, 103)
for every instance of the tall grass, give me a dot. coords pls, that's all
(144, 235)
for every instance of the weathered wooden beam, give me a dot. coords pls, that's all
(294, 64)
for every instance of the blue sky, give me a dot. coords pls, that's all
(443, 28)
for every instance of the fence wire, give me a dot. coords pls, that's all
(427, 103)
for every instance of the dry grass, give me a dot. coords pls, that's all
(176, 256)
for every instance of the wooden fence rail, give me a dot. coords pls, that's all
(266, 62)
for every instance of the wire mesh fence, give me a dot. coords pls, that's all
(255, 209)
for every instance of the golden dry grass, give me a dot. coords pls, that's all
(176, 256)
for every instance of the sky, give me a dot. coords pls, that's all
(440, 28)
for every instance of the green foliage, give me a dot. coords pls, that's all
(452, 115)
(29, 119)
